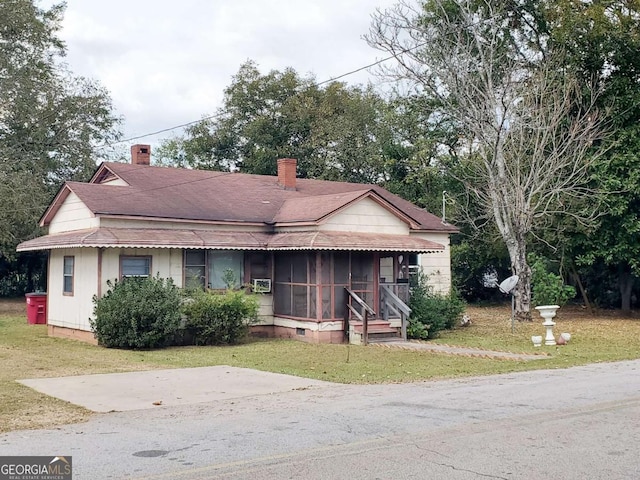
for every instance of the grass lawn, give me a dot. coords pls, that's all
(27, 352)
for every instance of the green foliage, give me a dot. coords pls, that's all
(220, 318)
(50, 122)
(229, 278)
(472, 261)
(137, 313)
(432, 312)
(336, 131)
(548, 288)
(600, 41)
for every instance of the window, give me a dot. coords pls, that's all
(225, 269)
(195, 268)
(135, 266)
(67, 275)
(215, 269)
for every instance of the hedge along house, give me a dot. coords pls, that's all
(311, 247)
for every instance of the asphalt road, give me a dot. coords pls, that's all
(581, 423)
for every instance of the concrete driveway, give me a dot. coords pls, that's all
(574, 424)
(182, 386)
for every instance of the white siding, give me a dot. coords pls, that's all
(72, 311)
(73, 214)
(437, 266)
(265, 311)
(366, 216)
(164, 261)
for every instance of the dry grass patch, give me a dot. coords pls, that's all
(604, 336)
(27, 352)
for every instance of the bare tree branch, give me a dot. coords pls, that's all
(529, 137)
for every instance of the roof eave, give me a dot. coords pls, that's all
(54, 206)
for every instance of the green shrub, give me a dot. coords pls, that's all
(219, 318)
(547, 288)
(137, 313)
(432, 312)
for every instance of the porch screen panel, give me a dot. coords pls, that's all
(282, 299)
(327, 310)
(341, 268)
(340, 301)
(362, 276)
(341, 265)
(299, 270)
(300, 301)
(295, 287)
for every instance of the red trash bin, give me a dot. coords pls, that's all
(36, 308)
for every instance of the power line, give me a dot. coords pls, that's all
(209, 117)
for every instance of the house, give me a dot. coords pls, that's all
(311, 246)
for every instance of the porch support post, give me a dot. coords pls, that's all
(365, 327)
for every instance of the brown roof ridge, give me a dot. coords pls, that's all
(121, 166)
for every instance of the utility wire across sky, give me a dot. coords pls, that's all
(215, 115)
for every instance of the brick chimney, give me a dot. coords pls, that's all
(141, 154)
(287, 173)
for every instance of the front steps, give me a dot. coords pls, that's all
(377, 331)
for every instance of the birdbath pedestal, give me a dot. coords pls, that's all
(547, 312)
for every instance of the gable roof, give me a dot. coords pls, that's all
(211, 196)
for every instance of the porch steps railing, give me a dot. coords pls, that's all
(361, 324)
(392, 304)
(362, 312)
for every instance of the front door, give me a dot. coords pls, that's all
(363, 277)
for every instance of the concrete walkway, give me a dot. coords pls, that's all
(185, 386)
(464, 351)
(153, 388)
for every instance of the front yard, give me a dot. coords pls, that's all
(27, 352)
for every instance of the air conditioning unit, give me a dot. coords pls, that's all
(262, 285)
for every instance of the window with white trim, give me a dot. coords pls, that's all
(67, 275)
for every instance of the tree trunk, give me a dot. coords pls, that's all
(625, 283)
(583, 292)
(520, 267)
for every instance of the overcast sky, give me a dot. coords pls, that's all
(167, 62)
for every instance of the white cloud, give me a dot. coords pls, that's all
(167, 63)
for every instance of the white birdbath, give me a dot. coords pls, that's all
(547, 312)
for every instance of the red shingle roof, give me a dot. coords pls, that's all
(201, 195)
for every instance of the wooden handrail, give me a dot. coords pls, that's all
(360, 302)
(362, 316)
(390, 301)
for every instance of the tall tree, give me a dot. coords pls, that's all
(335, 131)
(601, 40)
(525, 144)
(50, 121)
